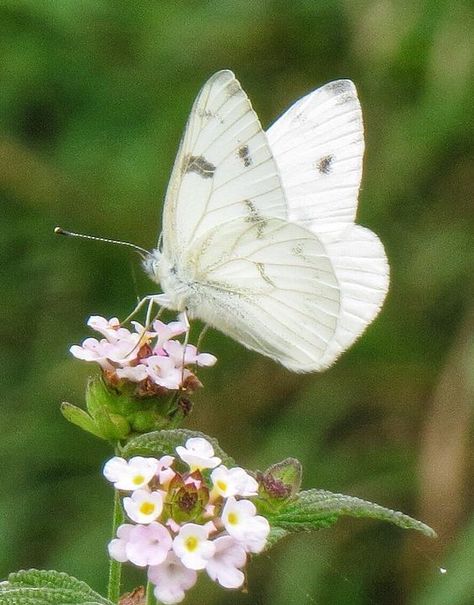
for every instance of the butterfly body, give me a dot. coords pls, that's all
(258, 234)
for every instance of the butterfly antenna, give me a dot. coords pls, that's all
(60, 231)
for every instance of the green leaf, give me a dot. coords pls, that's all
(38, 587)
(315, 509)
(160, 443)
(80, 418)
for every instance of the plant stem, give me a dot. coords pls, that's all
(115, 568)
(150, 597)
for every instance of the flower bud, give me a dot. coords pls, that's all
(187, 497)
(280, 481)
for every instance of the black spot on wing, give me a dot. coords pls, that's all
(199, 165)
(244, 155)
(343, 90)
(324, 164)
(339, 87)
(233, 88)
(254, 217)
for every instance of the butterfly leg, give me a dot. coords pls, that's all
(201, 337)
(159, 299)
(184, 317)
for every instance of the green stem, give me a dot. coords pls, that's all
(115, 568)
(150, 597)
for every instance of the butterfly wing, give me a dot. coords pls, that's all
(318, 145)
(224, 168)
(270, 285)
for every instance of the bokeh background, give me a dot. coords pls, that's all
(94, 97)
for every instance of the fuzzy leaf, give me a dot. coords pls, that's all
(160, 443)
(315, 509)
(38, 587)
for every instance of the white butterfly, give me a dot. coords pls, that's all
(258, 235)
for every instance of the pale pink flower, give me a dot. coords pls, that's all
(118, 546)
(224, 566)
(165, 473)
(109, 328)
(163, 372)
(171, 579)
(148, 544)
(176, 351)
(92, 350)
(165, 332)
(133, 373)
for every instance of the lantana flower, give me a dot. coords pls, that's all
(242, 522)
(198, 453)
(132, 474)
(225, 564)
(193, 547)
(233, 482)
(171, 579)
(151, 358)
(143, 506)
(142, 545)
(182, 523)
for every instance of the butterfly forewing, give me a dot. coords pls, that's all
(318, 145)
(224, 168)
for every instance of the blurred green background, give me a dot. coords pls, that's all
(94, 97)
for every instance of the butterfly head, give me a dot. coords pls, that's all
(151, 263)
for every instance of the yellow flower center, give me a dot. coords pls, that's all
(147, 508)
(191, 543)
(233, 518)
(222, 485)
(138, 479)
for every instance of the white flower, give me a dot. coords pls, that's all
(143, 506)
(148, 544)
(118, 546)
(198, 453)
(192, 546)
(233, 482)
(242, 523)
(171, 579)
(131, 475)
(224, 566)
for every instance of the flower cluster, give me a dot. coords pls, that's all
(152, 358)
(184, 522)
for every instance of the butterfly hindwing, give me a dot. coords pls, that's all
(269, 285)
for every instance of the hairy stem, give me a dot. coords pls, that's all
(115, 568)
(150, 597)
